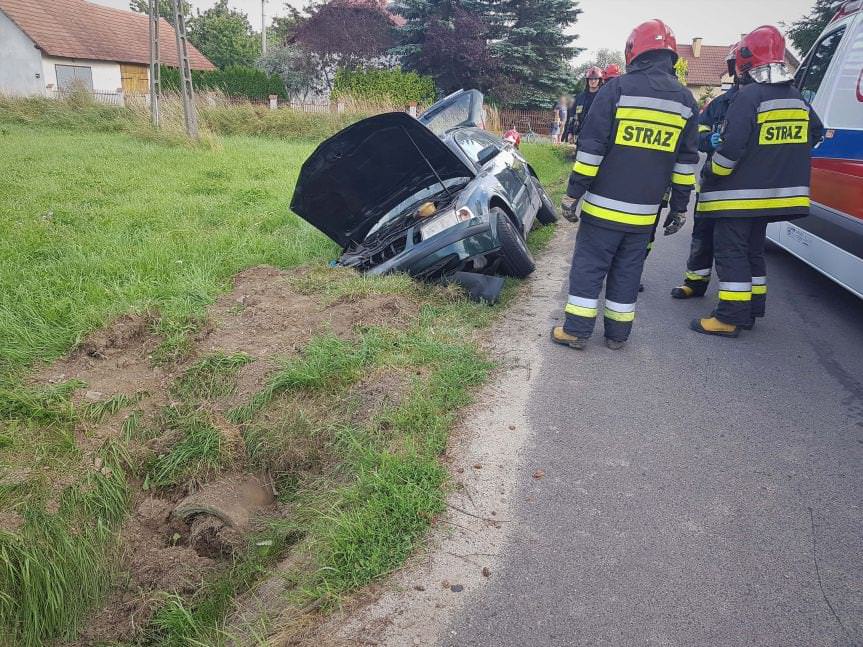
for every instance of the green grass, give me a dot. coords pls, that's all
(212, 377)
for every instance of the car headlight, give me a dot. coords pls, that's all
(445, 220)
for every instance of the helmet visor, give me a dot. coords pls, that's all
(771, 73)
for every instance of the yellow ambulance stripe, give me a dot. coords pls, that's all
(763, 203)
(585, 169)
(725, 295)
(783, 115)
(580, 311)
(620, 316)
(618, 216)
(646, 114)
(685, 180)
(718, 169)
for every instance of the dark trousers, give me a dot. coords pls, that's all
(700, 262)
(742, 270)
(616, 257)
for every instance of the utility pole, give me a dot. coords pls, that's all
(155, 64)
(263, 27)
(188, 89)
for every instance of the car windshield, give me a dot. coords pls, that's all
(458, 110)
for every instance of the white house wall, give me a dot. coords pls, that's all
(20, 61)
(106, 74)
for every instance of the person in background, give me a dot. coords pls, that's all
(559, 120)
(512, 136)
(582, 103)
(611, 71)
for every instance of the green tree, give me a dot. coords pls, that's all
(293, 65)
(805, 31)
(681, 69)
(166, 8)
(225, 36)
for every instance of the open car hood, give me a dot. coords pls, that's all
(357, 176)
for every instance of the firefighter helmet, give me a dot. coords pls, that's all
(648, 36)
(731, 60)
(612, 71)
(764, 45)
(594, 73)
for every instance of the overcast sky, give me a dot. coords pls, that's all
(607, 23)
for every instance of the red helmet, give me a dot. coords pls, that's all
(762, 46)
(594, 73)
(612, 71)
(648, 36)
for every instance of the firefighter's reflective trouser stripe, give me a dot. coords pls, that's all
(700, 262)
(759, 295)
(745, 199)
(739, 251)
(616, 257)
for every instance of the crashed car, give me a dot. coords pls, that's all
(435, 197)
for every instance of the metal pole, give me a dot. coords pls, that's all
(263, 27)
(155, 64)
(185, 72)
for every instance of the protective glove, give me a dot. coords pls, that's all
(568, 208)
(673, 222)
(715, 140)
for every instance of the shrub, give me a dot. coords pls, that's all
(234, 81)
(393, 86)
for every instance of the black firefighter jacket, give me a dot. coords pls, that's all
(761, 169)
(640, 136)
(712, 118)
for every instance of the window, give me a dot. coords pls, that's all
(813, 70)
(473, 141)
(70, 77)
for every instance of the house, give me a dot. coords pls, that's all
(708, 73)
(48, 46)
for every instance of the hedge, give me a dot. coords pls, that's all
(393, 86)
(234, 81)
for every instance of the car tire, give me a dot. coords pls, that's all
(516, 259)
(547, 214)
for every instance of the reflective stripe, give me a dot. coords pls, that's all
(719, 170)
(759, 289)
(768, 203)
(585, 169)
(620, 307)
(657, 104)
(783, 104)
(735, 286)
(693, 276)
(783, 115)
(684, 168)
(620, 205)
(646, 114)
(618, 216)
(720, 159)
(735, 296)
(759, 285)
(589, 158)
(584, 302)
(704, 272)
(780, 192)
(703, 129)
(759, 280)
(625, 317)
(685, 180)
(578, 311)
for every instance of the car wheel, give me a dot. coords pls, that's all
(515, 256)
(547, 214)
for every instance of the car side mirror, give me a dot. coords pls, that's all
(487, 154)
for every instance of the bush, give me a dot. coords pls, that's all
(392, 86)
(234, 81)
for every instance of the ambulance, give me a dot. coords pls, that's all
(830, 239)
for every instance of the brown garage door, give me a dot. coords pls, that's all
(135, 78)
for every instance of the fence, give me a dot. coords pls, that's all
(530, 123)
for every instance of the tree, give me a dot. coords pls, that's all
(293, 65)
(166, 8)
(681, 69)
(225, 36)
(804, 32)
(282, 29)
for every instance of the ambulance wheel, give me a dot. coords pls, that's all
(516, 259)
(547, 215)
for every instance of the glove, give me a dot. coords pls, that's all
(715, 140)
(674, 222)
(568, 208)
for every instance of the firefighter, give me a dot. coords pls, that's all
(700, 263)
(640, 136)
(582, 103)
(611, 71)
(758, 174)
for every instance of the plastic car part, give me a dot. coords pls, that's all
(479, 287)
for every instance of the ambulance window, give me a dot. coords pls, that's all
(818, 62)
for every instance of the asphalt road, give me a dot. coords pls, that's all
(697, 490)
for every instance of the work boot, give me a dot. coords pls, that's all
(560, 336)
(713, 326)
(614, 344)
(685, 292)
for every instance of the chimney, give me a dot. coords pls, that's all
(696, 46)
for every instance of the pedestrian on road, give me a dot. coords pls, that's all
(699, 266)
(583, 102)
(640, 136)
(758, 174)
